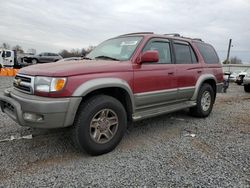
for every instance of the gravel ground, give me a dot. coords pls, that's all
(159, 152)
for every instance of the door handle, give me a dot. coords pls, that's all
(170, 73)
(199, 71)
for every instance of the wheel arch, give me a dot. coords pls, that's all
(35, 59)
(114, 87)
(207, 78)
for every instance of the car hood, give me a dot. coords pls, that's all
(70, 68)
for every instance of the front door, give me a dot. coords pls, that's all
(155, 83)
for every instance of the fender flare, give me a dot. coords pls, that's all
(101, 83)
(199, 83)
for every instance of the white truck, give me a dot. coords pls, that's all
(7, 58)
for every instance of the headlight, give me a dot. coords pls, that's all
(48, 84)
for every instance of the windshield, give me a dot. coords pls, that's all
(121, 49)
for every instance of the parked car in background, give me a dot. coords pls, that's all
(44, 57)
(246, 82)
(240, 77)
(233, 76)
(7, 58)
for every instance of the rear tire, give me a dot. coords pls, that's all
(247, 88)
(205, 101)
(99, 125)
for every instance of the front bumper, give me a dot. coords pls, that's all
(51, 112)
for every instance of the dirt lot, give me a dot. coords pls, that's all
(173, 150)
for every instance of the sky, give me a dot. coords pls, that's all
(52, 25)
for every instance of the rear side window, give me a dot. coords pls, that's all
(163, 48)
(184, 53)
(208, 53)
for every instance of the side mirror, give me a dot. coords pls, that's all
(150, 56)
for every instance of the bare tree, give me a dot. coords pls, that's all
(235, 60)
(90, 48)
(31, 51)
(75, 52)
(18, 49)
(5, 46)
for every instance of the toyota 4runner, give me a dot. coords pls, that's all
(124, 79)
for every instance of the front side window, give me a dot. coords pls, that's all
(163, 49)
(121, 49)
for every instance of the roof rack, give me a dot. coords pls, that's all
(178, 35)
(137, 33)
(198, 39)
(173, 34)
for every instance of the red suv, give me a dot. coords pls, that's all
(124, 79)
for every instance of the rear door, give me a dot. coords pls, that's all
(42, 57)
(211, 60)
(155, 83)
(188, 70)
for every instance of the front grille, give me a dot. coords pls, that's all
(24, 83)
(25, 79)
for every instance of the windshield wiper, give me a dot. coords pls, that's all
(106, 57)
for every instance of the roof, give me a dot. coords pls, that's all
(168, 35)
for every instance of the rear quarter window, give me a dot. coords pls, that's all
(208, 53)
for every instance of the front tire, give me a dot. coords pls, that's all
(205, 101)
(247, 88)
(99, 125)
(34, 61)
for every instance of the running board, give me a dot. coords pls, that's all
(151, 112)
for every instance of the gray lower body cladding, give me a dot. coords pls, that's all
(50, 112)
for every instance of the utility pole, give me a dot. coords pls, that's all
(228, 51)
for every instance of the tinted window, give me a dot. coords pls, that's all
(8, 54)
(194, 58)
(208, 53)
(182, 53)
(163, 49)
